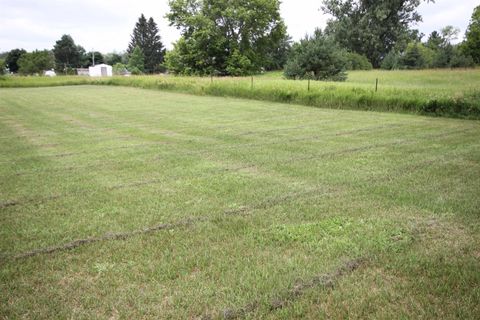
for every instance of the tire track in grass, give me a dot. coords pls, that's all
(266, 203)
(10, 203)
(106, 237)
(324, 281)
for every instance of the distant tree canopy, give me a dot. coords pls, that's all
(67, 53)
(226, 37)
(11, 60)
(317, 57)
(90, 56)
(371, 28)
(145, 35)
(36, 62)
(437, 52)
(435, 40)
(471, 45)
(113, 58)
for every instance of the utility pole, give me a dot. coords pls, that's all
(93, 57)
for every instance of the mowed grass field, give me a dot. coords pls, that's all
(125, 203)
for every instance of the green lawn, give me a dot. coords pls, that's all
(125, 203)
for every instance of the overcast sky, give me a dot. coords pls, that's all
(106, 25)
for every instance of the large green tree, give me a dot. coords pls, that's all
(67, 53)
(146, 36)
(371, 27)
(234, 37)
(12, 59)
(471, 46)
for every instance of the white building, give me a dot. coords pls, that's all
(100, 70)
(50, 73)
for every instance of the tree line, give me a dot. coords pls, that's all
(244, 37)
(144, 54)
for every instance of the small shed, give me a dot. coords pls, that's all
(100, 70)
(50, 73)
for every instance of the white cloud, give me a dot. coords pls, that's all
(446, 12)
(302, 17)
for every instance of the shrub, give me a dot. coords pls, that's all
(318, 58)
(461, 60)
(293, 70)
(417, 56)
(357, 61)
(392, 61)
(119, 69)
(135, 71)
(239, 65)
